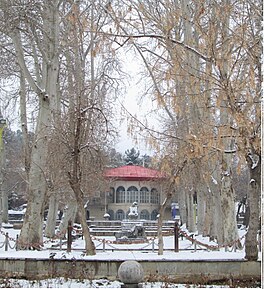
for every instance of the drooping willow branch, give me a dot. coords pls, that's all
(187, 141)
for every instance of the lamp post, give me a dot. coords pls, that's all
(2, 126)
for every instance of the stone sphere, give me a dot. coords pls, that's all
(130, 272)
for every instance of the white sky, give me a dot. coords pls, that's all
(135, 105)
(126, 141)
(131, 100)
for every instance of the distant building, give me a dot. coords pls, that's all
(129, 184)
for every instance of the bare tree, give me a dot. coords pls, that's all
(35, 38)
(210, 92)
(85, 127)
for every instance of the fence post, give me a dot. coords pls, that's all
(176, 237)
(6, 242)
(16, 242)
(195, 245)
(191, 235)
(153, 245)
(103, 245)
(69, 236)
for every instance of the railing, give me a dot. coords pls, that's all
(6, 243)
(104, 244)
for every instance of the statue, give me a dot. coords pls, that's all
(133, 214)
(131, 230)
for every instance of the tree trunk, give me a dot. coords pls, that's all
(201, 212)
(31, 231)
(228, 209)
(191, 226)
(254, 209)
(183, 207)
(24, 125)
(226, 119)
(52, 216)
(5, 203)
(217, 220)
(160, 221)
(4, 189)
(1, 172)
(208, 218)
(69, 214)
(251, 237)
(46, 91)
(89, 245)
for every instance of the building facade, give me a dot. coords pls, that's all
(123, 194)
(127, 185)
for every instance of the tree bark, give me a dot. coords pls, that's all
(208, 218)
(89, 244)
(31, 231)
(69, 214)
(52, 215)
(228, 210)
(191, 226)
(2, 161)
(4, 190)
(251, 242)
(227, 193)
(46, 90)
(160, 221)
(183, 207)
(24, 125)
(218, 219)
(201, 211)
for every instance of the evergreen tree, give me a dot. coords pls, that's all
(145, 161)
(132, 156)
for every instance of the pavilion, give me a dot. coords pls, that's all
(129, 184)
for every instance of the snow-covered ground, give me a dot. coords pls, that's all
(100, 283)
(141, 251)
(113, 251)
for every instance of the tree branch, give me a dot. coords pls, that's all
(164, 38)
(21, 61)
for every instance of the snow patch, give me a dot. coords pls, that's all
(214, 180)
(255, 160)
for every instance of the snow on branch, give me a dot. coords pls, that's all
(214, 180)
(254, 160)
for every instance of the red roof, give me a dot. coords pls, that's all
(133, 173)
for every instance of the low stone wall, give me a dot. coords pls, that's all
(178, 271)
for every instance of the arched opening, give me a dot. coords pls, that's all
(132, 195)
(144, 195)
(155, 196)
(111, 195)
(120, 194)
(154, 215)
(111, 214)
(120, 215)
(87, 214)
(144, 215)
